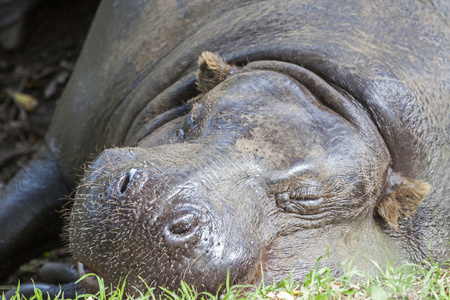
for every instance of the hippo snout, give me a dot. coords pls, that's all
(178, 225)
(177, 230)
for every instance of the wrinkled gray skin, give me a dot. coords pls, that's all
(289, 155)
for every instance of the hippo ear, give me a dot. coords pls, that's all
(212, 70)
(401, 197)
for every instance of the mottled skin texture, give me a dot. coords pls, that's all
(341, 106)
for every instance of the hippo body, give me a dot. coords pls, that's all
(325, 125)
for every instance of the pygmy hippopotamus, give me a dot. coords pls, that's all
(309, 125)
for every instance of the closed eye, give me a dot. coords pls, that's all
(301, 203)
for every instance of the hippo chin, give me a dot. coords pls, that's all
(324, 127)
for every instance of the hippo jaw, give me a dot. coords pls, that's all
(273, 166)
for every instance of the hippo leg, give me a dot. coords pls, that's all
(29, 212)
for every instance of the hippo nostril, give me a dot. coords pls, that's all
(181, 224)
(126, 180)
(124, 183)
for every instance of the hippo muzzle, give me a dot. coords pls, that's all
(268, 169)
(154, 219)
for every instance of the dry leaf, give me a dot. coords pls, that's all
(284, 296)
(26, 101)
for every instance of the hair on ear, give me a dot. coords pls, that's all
(212, 70)
(401, 198)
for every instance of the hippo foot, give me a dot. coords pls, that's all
(57, 279)
(58, 273)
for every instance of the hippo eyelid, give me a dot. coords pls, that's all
(302, 204)
(304, 196)
(307, 193)
(303, 193)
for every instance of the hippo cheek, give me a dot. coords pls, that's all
(164, 227)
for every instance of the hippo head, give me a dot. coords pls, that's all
(270, 167)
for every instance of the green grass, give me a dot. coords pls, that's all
(428, 280)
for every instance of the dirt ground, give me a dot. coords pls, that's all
(38, 71)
